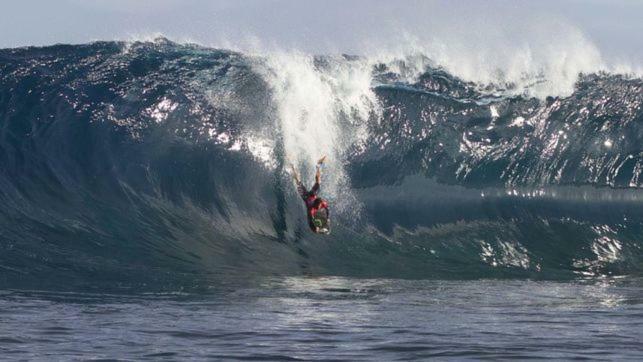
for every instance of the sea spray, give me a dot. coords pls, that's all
(322, 108)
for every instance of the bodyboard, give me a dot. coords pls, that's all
(323, 221)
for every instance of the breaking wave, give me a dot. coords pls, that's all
(160, 164)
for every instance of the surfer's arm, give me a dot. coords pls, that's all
(320, 163)
(318, 174)
(294, 174)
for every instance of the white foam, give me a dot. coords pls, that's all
(546, 62)
(531, 50)
(162, 110)
(494, 112)
(518, 122)
(320, 110)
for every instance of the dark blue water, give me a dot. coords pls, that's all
(334, 319)
(146, 210)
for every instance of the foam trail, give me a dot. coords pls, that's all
(322, 106)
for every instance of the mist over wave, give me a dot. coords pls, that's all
(164, 165)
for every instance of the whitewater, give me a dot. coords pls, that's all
(145, 193)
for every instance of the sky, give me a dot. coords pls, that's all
(614, 27)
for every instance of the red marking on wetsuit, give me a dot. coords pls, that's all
(310, 203)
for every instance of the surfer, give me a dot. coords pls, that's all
(316, 208)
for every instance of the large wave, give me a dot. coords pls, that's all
(160, 164)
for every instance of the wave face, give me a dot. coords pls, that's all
(132, 165)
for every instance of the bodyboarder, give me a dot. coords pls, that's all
(317, 210)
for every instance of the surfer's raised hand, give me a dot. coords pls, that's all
(321, 160)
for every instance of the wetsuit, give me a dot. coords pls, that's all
(313, 202)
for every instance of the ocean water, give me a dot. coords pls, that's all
(147, 212)
(303, 318)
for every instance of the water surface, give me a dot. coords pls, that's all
(333, 319)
